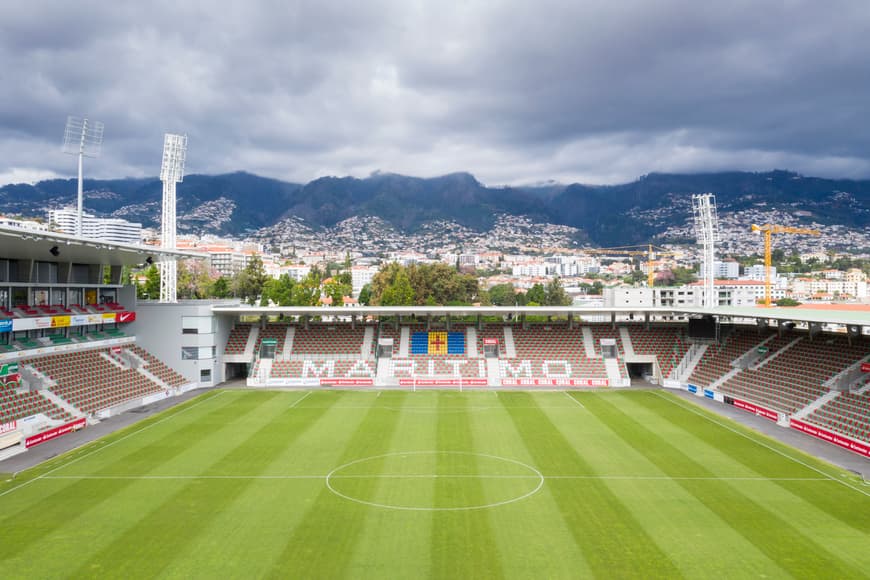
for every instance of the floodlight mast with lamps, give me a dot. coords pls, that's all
(83, 138)
(171, 172)
(707, 233)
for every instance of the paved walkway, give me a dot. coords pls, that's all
(807, 444)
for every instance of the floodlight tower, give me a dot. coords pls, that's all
(707, 233)
(171, 172)
(84, 138)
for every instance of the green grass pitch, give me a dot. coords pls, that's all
(294, 484)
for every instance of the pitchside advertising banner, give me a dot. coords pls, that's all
(555, 382)
(68, 320)
(760, 411)
(825, 435)
(6, 325)
(443, 382)
(55, 433)
(8, 427)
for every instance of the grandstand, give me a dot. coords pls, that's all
(69, 353)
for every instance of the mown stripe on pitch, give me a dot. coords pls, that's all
(337, 521)
(68, 503)
(463, 543)
(838, 501)
(177, 521)
(612, 541)
(770, 534)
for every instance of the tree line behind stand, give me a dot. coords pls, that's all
(394, 285)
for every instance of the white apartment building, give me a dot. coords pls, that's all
(728, 269)
(104, 229)
(296, 271)
(728, 293)
(360, 276)
(757, 272)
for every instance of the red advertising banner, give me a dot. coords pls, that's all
(55, 433)
(490, 341)
(825, 435)
(338, 382)
(8, 427)
(443, 382)
(760, 411)
(125, 316)
(555, 382)
(865, 367)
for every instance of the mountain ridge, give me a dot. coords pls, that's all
(240, 202)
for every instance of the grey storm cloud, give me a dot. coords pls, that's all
(515, 92)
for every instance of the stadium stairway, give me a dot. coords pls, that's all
(404, 342)
(627, 346)
(817, 404)
(775, 354)
(510, 349)
(288, 342)
(471, 341)
(589, 342)
(74, 411)
(690, 362)
(368, 343)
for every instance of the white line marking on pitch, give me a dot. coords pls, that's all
(299, 400)
(127, 436)
(440, 476)
(582, 406)
(756, 441)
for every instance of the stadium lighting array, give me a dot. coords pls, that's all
(83, 138)
(171, 172)
(707, 233)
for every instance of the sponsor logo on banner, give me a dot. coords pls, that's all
(443, 382)
(8, 427)
(60, 321)
(692, 388)
(55, 433)
(528, 382)
(126, 316)
(43, 322)
(95, 318)
(5, 325)
(708, 393)
(825, 435)
(78, 320)
(108, 317)
(760, 411)
(865, 366)
(337, 382)
(490, 341)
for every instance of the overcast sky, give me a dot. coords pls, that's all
(514, 92)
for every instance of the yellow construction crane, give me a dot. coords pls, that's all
(650, 251)
(768, 230)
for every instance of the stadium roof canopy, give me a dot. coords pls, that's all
(836, 317)
(22, 244)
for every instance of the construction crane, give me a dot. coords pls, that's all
(650, 251)
(768, 230)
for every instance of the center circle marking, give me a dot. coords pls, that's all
(334, 474)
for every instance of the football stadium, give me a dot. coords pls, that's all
(212, 439)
